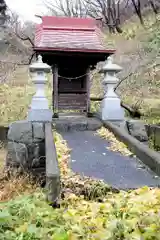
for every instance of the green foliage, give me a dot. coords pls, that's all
(152, 144)
(153, 43)
(132, 215)
(133, 29)
(95, 106)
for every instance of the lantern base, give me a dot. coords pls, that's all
(39, 103)
(111, 110)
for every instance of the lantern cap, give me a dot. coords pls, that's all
(109, 66)
(39, 66)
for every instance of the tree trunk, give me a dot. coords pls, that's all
(154, 7)
(138, 10)
(133, 113)
(109, 16)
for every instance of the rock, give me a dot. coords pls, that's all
(26, 144)
(137, 129)
(153, 131)
(17, 155)
(21, 132)
(157, 137)
(123, 125)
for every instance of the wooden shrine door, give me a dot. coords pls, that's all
(70, 93)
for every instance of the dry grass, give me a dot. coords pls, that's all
(21, 77)
(15, 98)
(15, 185)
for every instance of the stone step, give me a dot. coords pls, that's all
(81, 124)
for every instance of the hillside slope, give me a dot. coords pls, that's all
(138, 52)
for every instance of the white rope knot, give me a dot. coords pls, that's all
(40, 59)
(110, 60)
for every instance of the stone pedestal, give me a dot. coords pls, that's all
(111, 104)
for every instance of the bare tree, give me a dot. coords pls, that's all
(3, 7)
(155, 5)
(3, 16)
(138, 9)
(76, 8)
(17, 47)
(141, 5)
(109, 11)
(23, 31)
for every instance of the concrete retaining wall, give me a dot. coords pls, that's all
(52, 168)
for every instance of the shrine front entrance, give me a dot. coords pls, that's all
(70, 89)
(71, 80)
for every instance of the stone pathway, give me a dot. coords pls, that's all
(90, 157)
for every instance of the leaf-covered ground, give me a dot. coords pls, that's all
(133, 215)
(89, 210)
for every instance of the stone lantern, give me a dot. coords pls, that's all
(111, 104)
(39, 109)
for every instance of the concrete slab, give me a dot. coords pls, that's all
(89, 156)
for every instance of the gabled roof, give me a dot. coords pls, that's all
(69, 34)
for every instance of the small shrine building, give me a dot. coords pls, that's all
(72, 47)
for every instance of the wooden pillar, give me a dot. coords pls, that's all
(88, 86)
(55, 91)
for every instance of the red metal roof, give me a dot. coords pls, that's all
(64, 33)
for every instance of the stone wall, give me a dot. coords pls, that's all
(26, 146)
